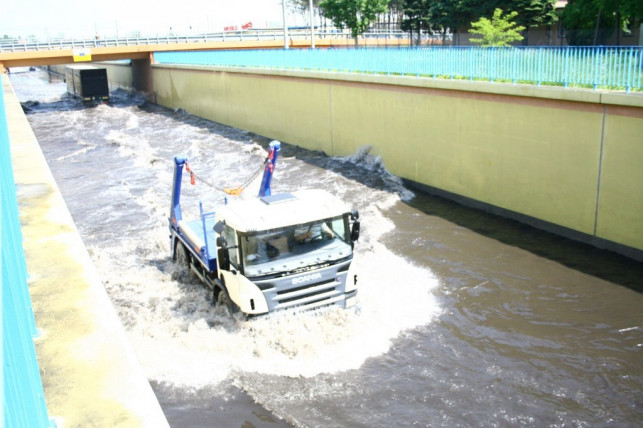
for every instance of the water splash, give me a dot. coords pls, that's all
(179, 336)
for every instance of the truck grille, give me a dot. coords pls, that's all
(309, 295)
(309, 288)
(305, 292)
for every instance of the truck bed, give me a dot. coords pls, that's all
(193, 231)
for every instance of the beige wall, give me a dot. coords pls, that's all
(567, 157)
(118, 75)
(620, 205)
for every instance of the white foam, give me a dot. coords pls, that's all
(182, 339)
(85, 147)
(364, 159)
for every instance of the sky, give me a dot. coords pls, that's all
(88, 18)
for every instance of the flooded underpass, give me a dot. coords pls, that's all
(463, 318)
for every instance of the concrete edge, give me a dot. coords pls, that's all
(90, 373)
(495, 88)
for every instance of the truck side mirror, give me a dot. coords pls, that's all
(219, 226)
(222, 242)
(355, 231)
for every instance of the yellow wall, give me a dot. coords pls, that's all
(517, 154)
(538, 152)
(118, 75)
(620, 208)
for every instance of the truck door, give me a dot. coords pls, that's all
(230, 269)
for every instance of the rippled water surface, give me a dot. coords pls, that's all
(463, 319)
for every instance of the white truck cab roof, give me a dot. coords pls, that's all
(281, 210)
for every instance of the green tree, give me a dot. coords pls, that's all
(356, 15)
(457, 14)
(586, 23)
(448, 15)
(533, 13)
(416, 17)
(497, 31)
(590, 22)
(395, 9)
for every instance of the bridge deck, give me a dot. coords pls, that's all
(143, 51)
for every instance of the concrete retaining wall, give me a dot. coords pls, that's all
(564, 159)
(118, 75)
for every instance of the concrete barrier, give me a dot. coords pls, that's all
(89, 371)
(566, 160)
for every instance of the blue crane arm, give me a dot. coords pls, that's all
(175, 210)
(273, 154)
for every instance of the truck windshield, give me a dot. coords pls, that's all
(295, 247)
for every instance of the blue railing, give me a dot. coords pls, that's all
(596, 67)
(23, 399)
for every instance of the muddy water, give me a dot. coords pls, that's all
(464, 319)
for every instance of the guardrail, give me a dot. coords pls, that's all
(23, 398)
(229, 36)
(595, 67)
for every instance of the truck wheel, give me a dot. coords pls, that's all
(181, 255)
(215, 295)
(224, 299)
(182, 259)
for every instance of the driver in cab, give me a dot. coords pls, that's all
(311, 232)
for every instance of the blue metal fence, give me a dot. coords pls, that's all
(23, 399)
(596, 67)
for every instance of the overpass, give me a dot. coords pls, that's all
(54, 52)
(141, 50)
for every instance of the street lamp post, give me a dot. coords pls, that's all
(312, 25)
(283, 11)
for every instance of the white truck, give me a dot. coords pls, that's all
(271, 252)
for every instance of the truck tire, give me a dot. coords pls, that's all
(182, 259)
(223, 299)
(181, 255)
(215, 295)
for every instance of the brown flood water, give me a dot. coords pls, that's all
(466, 319)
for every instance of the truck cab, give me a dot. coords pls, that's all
(285, 250)
(270, 252)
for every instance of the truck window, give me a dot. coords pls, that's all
(296, 247)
